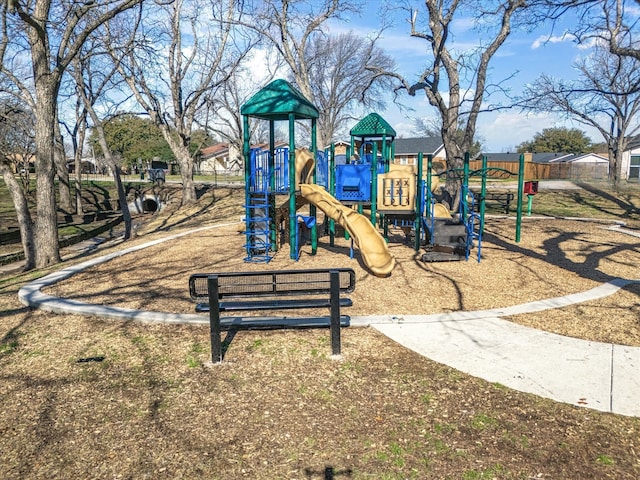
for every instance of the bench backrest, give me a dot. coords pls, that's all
(271, 283)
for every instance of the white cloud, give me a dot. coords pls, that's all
(503, 131)
(545, 39)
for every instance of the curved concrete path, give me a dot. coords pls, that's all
(596, 375)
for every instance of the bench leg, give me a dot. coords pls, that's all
(334, 276)
(214, 319)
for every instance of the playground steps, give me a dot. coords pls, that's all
(258, 228)
(448, 233)
(437, 256)
(448, 242)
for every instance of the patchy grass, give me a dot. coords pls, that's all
(593, 200)
(90, 398)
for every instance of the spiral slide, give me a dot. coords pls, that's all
(373, 248)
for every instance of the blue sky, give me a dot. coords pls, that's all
(521, 59)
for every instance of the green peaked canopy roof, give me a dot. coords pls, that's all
(277, 100)
(373, 125)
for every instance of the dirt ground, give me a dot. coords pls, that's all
(89, 398)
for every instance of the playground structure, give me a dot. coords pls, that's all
(402, 196)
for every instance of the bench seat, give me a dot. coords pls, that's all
(273, 304)
(271, 290)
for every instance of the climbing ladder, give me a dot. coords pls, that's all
(257, 205)
(471, 220)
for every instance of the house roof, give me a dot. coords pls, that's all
(543, 157)
(589, 158)
(277, 100)
(214, 150)
(265, 146)
(373, 125)
(413, 146)
(547, 157)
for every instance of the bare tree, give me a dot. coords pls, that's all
(203, 49)
(16, 149)
(65, 200)
(222, 116)
(77, 130)
(93, 77)
(611, 22)
(52, 33)
(295, 29)
(606, 97)
(342, 86)
(455, 82)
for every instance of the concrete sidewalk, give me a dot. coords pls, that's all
(596, 375)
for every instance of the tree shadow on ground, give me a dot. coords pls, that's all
(555, 255)
(178, 217)
(625, 203)
(102, 203)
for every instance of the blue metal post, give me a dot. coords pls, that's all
(419, 202)
(374, 183)
(293, 230)
(312, 208)
(332, 190)
(272, 187)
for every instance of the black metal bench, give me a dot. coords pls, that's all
(270, 290)
(503, 199)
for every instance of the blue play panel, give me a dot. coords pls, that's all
(353, 183)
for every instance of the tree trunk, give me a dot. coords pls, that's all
(185, 160)
(117, 173)
(25, 223)
(46, 225)
(616, 168)
(455, 163)
(122, 199)
(78, 175)
(186, 173)
(64, 185)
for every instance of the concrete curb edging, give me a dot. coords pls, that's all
(596, 375)
(31, 295)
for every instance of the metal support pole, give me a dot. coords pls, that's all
(214, 319)
(312, 208)
(483, 194)
(293, 230)
(419, 203)
(520, 192)
(465, 188)
(374, 184)
(246, 152)
(334, 277)
(429, 179)
(332, 190)
(273, 228)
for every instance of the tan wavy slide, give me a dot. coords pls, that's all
(373, 248)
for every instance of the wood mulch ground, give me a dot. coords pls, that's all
(554, 258)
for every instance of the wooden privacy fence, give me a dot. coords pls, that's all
(550, 171)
